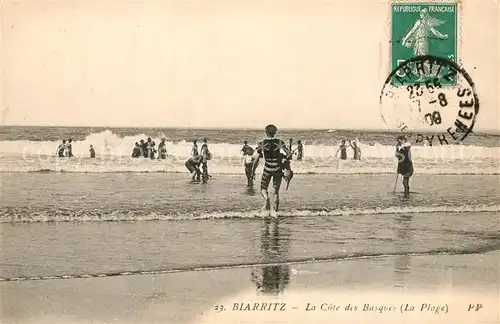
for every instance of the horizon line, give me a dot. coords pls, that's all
(379, 130)
(192, 127)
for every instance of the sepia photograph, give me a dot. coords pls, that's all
(234, 161)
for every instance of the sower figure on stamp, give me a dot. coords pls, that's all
(276, 165)
(418, 37)
(405, 164)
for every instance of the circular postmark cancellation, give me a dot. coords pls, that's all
(431, 99)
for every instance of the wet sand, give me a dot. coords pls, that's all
(190, 297)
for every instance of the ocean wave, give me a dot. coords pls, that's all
(107, 143)
(26, 216)
(378, 171)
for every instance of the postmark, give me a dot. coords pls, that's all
(419, 29)
(417, 99)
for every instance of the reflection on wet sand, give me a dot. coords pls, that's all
(403, 241)
(272, 278)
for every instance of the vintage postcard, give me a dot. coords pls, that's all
(250, 161)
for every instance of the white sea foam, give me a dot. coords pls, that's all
(100, 216)
(108, 144)
(113, 155)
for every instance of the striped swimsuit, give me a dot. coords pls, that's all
(270, 150)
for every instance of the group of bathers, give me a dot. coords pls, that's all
(197, 159)
(148, 149)
(65, 149)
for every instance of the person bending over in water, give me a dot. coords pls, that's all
(60, 152)
(193, 165)
(343, 150)
(162, 149)
(92, 152)
(276, 164)
(356, 149)
(405, 163)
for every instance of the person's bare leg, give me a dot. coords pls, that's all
(276, 200)
(276, 186)
(265, 194)
(406, 185)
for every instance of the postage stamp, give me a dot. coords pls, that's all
(419, 29)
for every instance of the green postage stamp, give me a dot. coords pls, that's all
(423, 28)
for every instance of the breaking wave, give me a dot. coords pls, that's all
(107, 143)
(26, 216)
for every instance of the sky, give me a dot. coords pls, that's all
(306, 64)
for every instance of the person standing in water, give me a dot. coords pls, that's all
(405, 163)
(194, 150)
(343, 150)
(245, 147)
(148, 148)
(61, 149)
(144, 149)
(69, 147)
(151, 150)
(92, 152)
(276, 165)
(206, 155)
(299, 150)
(356, 149)
(248, 151)
(162, 149)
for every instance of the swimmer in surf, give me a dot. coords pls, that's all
(92, 152)
(60, 152)
(356, 149)
(144, 148)
(405, 163)
(69, 148)
(137, 151)
(206, 155)
(194, 150)
(245, 147)
(276, 165)
(343, 150)
(151, 150)
(193, 165)
(299, 150)
(162, 149)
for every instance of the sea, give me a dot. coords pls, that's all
(115, 215)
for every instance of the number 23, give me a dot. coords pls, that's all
(418, 90)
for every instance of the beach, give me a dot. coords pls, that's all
(377, 122)
(190, 297)
(122, 240)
